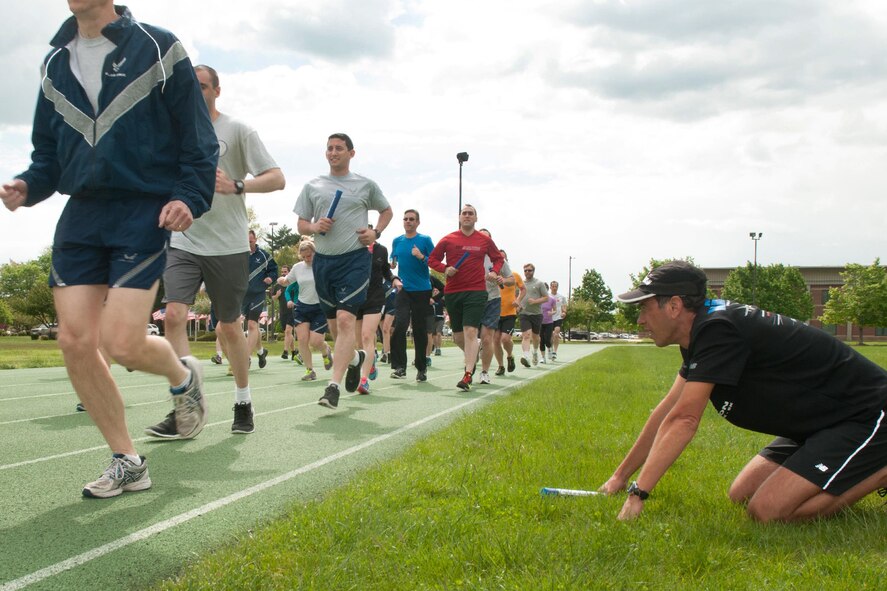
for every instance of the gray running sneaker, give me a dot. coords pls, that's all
(328, 358)
(120, 477)
(190, 407)
(309, 376)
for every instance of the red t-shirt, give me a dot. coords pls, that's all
(471, 275)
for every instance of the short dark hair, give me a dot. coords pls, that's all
(253, 232)
(213, 75)
(468, 205)
(485, 231)
(693, 303)
(412, 211)
(344, 137)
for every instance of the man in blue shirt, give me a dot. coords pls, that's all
(409, 254)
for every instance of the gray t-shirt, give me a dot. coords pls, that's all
(561, 302)
(535, 289)
(87, 62)
(493, 291)
(223, 229)
(359, 195)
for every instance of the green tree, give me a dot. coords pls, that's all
(593, 289)
(283, 238)
(5, 314)
(25, 289)
(780, 289)
(582, 313)
(862, 299)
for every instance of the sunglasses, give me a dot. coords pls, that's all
(409, 219)
(529, 270)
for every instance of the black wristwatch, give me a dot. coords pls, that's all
(378, 233)
(635, 490)
(238, 187)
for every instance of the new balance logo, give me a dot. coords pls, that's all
(821, 467)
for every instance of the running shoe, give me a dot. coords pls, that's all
(243, 418)
(165, 429)
(364, 386)
(535, 357)
(542, 359)
(309, 376)
(437, 352)
(285, 354)
(428, 362)
(217, 359)
(500, 371)
(263, 358)
(120, 477)
(553, 356)
(330, 398)
(511, 365)
(374, 373)
(421, 377)
(352, 376)
(399, 374)
(524, 361)
(190, 407)
(80, 407)
(485, 378)
(230, 371)
(328, 358)
(384, 358)
(297, 357)
(465, 383)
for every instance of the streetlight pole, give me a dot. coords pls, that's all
(570, 280)
(462, 157)
(271, 335)
(754, 290)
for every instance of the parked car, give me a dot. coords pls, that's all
(50, 331)
(576, 334)
(153, 330)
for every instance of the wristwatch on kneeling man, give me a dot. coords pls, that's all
(635, 490)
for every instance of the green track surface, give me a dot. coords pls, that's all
(206, 490)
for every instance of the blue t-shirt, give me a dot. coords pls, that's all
(412, 272)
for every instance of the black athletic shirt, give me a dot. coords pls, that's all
(776, 375)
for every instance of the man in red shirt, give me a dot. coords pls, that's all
(466, 288)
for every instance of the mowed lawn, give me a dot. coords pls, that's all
(462, 509)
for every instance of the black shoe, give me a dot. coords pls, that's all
(243, 418)
(330, 398)
(510, 364)
(383, 358)
(217, 359)
(263, 358)
(421, 377)
(352, 376)
(465, 383)
(399, 374)
(500, 371)
(165, 429)
(285, 354)
(80, 407)
(525, 362)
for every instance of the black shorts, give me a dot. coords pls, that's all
(531, 322)
(253, 306)
(506, 324)
(558, 323)
(835, 459)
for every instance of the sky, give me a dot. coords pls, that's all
(609, 131)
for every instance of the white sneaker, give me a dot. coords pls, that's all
(542, 359)
(121, 476)
(485, 378)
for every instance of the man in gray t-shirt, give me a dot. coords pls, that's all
(215, 251)
(342, 262)
(530, 307)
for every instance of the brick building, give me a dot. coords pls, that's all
(819, 280)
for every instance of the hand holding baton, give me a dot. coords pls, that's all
(333, 206)
(461, 260)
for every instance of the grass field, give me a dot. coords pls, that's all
(462, 510)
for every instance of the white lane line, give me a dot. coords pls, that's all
(215, 424)
(162, 526)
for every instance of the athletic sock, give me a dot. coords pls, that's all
(136, 459)
(242, 395)
(333, 384)
(180, 389)
(355, 360)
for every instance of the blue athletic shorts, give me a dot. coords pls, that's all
(490, 319)
(113, 242)
(342, 280)
(253, 305)
(312, 314)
